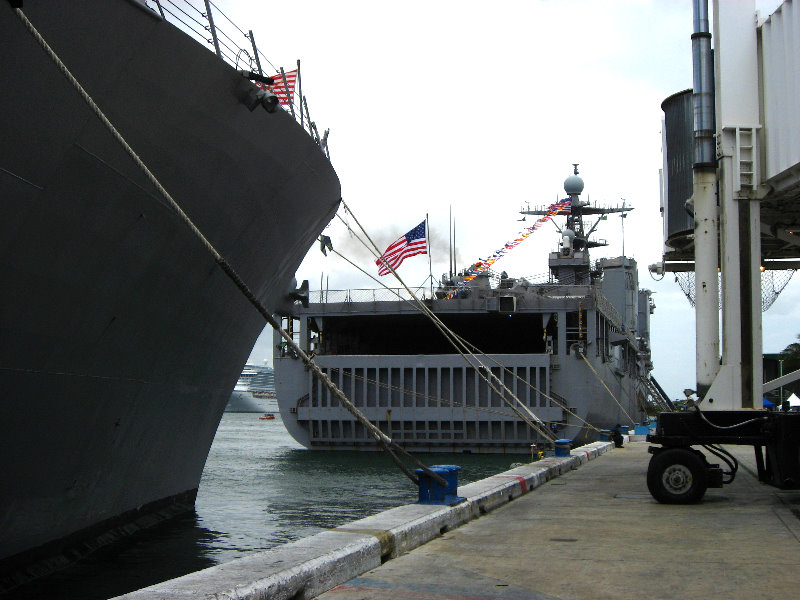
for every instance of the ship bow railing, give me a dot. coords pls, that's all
(205, 22)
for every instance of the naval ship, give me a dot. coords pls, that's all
(573, 349)
(121, 338)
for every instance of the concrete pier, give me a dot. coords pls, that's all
(596, 533)
(564, 527)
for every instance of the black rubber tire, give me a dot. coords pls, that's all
(677, 476)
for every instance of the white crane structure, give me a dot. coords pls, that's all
(743, 145)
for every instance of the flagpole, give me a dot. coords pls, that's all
(450, 245)
(455, 255)
(428, 242)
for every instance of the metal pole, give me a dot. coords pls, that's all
(255, 53)
(212, 28)
(324, 143)
(300, 92)
(428, 244)
(308, 113)
(705, 205)
(289, 98)
(450, 248)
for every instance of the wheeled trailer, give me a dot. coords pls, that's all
(680, 474)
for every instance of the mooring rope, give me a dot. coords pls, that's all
(478, 353)
(565, 408)
(468, 349)
(533, 421)
(385, 441)
(444, 401)
(480, 368)
(454, 339)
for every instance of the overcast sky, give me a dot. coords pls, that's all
(482, 108)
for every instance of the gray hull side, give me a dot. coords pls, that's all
(120, 338)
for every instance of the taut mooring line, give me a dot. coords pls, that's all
(385, 441)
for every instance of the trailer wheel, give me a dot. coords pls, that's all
(677, 476)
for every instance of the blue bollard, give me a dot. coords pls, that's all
(433, 492)
(562, 447)
(605, 435)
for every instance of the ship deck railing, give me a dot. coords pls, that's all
(205, 22)
(424, 293)
(367, 295)
(555, 290)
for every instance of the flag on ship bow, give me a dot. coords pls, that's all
(279, 89)
(413, 243)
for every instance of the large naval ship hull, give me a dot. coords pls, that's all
(120, 337)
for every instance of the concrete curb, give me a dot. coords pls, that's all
(313, 565)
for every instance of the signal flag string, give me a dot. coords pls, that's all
(483, 264)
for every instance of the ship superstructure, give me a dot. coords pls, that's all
(575, 350)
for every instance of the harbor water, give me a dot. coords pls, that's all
(259, 489)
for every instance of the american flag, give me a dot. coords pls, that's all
(280, 90)
(413, 243)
